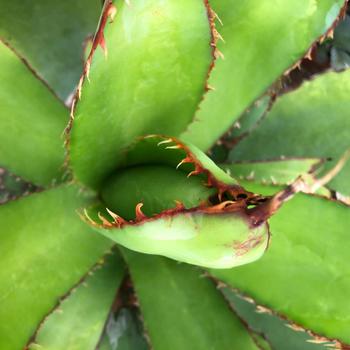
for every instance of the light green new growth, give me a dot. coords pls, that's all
(204, 233)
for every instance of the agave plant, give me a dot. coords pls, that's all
(159, 185)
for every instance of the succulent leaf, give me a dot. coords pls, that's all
(278, 332)
(151, 80)
(180, 313)
(50, 35)
(304, 275)
(309, 122)
(261, 41)
(32, 122)
(216, 230)
(78, 321)
(273, 172)
(217, 240)
(45, 249)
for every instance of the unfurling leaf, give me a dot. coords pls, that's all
(203, 219)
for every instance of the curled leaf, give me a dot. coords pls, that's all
(168, 198)
(203, 218)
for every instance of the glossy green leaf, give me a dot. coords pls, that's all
(274, 172)
(309, 122)
(50, 35)
(163, 150)
(245, 124)
(216, 240)
(159, 55)
(181, 309)
(124, 331)
(261, 41)
(276, 330)
(304, 275)
(45, 249)
(169, 162)
(77, 323)
(32, 121)
(146, 184)
(217, 235)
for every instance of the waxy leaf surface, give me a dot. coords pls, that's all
(275, 172)
(187, 309)
(45, 249)
(77, 323)
(277, 331)
(50, 35)
(152, 80)
(32, 122)
(262, 40)
(312, 121)
(213, 232)
(304, 275)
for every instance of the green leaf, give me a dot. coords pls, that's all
(181, 309)
(250, 118)
(242, 126)
(274, 172)
(50, 35)
(77, 323)
(214, 230)
(261, 342)
(309, 122)
(152, 80)
(261, 42)
(276, 330)
(147, 184)
(216, 240)
(45, 249)
(169, 162)
(32, 121)
(304, 275)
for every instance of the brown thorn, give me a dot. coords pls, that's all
(218, 54)
(174, 147)
(111, 12)
(117, 219)
(218, 36)
(105, 222)
(220, 193)
(179, 205)
(216, 16)
(87, 216)
(139, 214)
(164, 141)
(209, 87)
(194, 172)
(184, 161)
